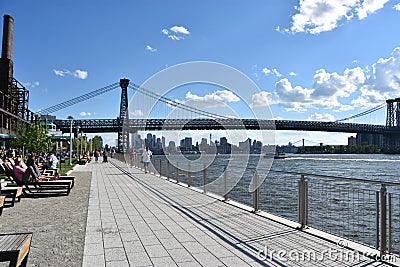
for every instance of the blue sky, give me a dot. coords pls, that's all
(311, 59)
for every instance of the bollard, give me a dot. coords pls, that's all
(225, 185)
(383, 198)
(204, 178)
(177, 172)
(189, 174)
(302, 203)
(256, 193)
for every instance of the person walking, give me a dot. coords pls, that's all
(146, 156)
(105, 156)
(96, 155)
(132, 157)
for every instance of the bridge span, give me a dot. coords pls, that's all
(114, 125)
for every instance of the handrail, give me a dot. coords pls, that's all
(360, 180)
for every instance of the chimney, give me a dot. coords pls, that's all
(6, 64)
(8, 32)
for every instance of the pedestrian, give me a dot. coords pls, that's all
(146, 156)
(96, 155)
(132, 157)
(105, 155)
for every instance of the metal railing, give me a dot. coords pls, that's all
(360, 210)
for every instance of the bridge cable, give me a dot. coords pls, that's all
(176, 103)
(369, 111)
(78, 99)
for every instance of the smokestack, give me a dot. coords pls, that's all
(6, 64)
(8, 32)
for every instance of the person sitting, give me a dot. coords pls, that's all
(31, 174)
(53, 161)
(18, 170)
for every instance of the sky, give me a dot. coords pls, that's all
(310, 59)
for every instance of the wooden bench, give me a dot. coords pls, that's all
(13, 192)
(15, 248)
(2, 199)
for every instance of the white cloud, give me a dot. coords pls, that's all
(80, 74)
(31, 84)
(275, 72)
(61, 72)
(136, 113)
(177, 34)
(175, 37)
(85, 114)
(355, 88)
(316, 16)
(180, 29)
(151, 49)
(383, 83)
(369, 6)
(321, 117)
(261, 99)
(214, 99)
(292, 73)
(397, 7)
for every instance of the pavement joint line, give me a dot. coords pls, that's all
(121, 191)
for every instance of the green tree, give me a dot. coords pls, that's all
(95, 142)
(32, 137)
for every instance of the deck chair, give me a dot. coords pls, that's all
(11, 194)
(53, 187)
(14, 248)
(54, 172)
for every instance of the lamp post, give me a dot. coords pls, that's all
(81, 143)
(77, 140)
(70, 139)
(85, 143)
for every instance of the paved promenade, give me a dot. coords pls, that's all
(137, 219)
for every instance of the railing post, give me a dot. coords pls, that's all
(204, 178)
(225, 184)
(390, 238)
(377, 219)
(160, 168)
(256, 193)
(383, 201)
(189, 174)
(177, 172)
(168, 173)
(303, 205)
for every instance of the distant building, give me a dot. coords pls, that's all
(171, 147)
(351, 141)
(370, 139)
(224, 147)
(245, 146)
(100, 142)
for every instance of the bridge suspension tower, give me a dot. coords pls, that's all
(123, 136)
(393, 120)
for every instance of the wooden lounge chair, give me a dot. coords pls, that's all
(2, 199)
(13, 192)
(53, 172)
(43, 187)
(15, 248)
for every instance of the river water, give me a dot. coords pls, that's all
(343, 208)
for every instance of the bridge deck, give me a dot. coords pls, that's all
(143, 220)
